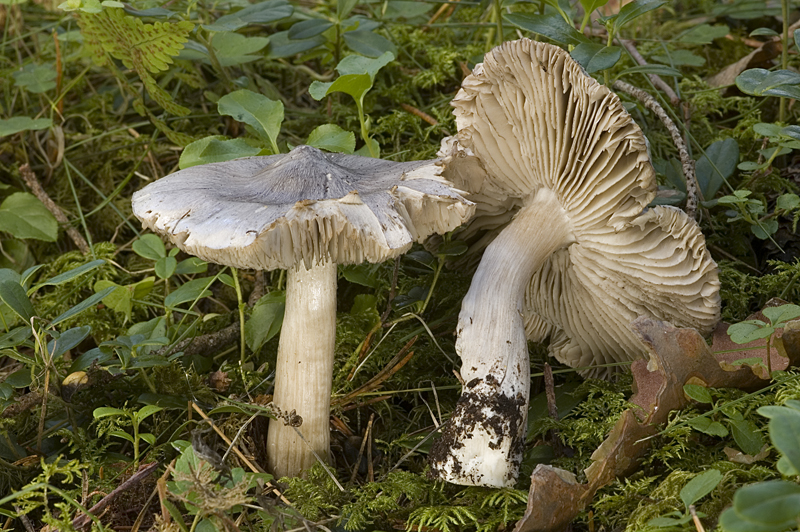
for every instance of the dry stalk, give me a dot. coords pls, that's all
(657, 81)
(61, 218)
(687, 163)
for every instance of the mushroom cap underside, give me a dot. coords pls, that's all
(276, 211)
(535, 119)
(585, 296)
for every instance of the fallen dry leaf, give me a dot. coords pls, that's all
(759, 58)
(677, 357)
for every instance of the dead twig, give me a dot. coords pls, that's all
(61, 218)
(394, 365)
(144, 471)
(423, 115)
(692, 188)
(657, 81)
(205, 344)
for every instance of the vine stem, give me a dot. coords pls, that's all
(687, 163)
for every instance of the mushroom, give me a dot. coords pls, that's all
(581, 258)
(305, 211)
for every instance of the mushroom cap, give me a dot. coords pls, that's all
(585, 297)
(535, 119)
(275, 211)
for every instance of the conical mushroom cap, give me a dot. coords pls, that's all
(585, 297)
(275, 211)
(535, 119)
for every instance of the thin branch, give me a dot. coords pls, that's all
(41, 195)
(692, 189)
(657, 81)
(144, 471)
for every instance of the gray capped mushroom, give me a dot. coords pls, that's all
(581, 258)
(305, 211)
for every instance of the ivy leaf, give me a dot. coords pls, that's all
(150, 247)
(24, 216)
(256, 110)
(763, 507)
(745, 332)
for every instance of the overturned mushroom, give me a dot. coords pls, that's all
(305, 211)
(581, 245)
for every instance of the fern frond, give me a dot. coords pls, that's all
(144, 48)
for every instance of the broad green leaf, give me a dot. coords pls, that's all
(121, 435)
(121, 298)
(747, 436)
(309, 28)
(783, 313)
(190, 266)
(664, 522)
(784, 430)
(83, 305)
(591, 5)
(215, 149)
(698, 393)
(763, 229)
(332, 138)
(718, 164)
(594, 57)
(236, 49)
(67, 340)
(761, 82)
(72, 274)
(364, 274)
(256, 110)
(634, 10)
(148, 437)
(105, 411)
(280, 45)
(452, 249)
(15, 337)
(679, 58)
(369, 43)
(707, 426)
(356, 85)
(266, 319)
(189, 292)
(147, 411)
(23, 123)
(767, 130)
(260, 13)
(35, 78)
(344, 7)
(772, 506)
(165, 267)
(149, 246)
(24, 216)
(700, 486)
(404, 9)
(19, 379)
(703, 34)
(787, 202)
(764, 32)
(748, 331)
(797, 39)
(13, 295)
(552, 26)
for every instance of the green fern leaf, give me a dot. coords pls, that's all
(144, 48)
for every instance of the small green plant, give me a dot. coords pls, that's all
(128, 417)
(772, 506)
(693, 491)
(750, 330)
(213, 498)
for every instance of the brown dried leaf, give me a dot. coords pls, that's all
(759, 58)
(552, 490)
(677, 357)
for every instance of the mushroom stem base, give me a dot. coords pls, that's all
(482, 444)
(304, 370)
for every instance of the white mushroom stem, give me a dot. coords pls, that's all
(304, 369)
(482, 444)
